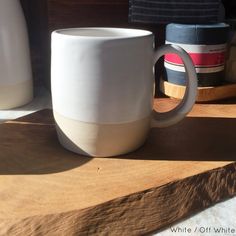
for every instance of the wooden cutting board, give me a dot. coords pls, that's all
(47, 190)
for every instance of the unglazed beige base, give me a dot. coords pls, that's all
(16, 95)
(101, 140)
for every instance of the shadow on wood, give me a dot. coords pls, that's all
(29, 145)
(193, 139)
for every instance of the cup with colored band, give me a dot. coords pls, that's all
(102, 83)
(206, 45)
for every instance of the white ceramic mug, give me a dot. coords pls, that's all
(16, 82)
(102, 82)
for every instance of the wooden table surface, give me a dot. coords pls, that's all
(47, 190)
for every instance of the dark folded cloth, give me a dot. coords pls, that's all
(176, 11)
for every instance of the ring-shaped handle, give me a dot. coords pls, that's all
(180, 111)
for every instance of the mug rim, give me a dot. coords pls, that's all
(102, 33)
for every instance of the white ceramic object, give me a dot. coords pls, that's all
(102, 82)
(15, 68)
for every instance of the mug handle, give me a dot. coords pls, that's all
(180, 111)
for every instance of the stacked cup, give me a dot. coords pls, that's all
(206, 45)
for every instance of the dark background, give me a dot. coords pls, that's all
(44, 16)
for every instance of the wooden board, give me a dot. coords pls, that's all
(47, 190)
(204, 94)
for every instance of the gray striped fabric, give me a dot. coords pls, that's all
(174, 11)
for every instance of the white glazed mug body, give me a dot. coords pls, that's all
(102, 89)
(16, 85)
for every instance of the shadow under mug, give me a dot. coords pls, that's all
(102, 82)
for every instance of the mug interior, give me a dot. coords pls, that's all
(104, 32)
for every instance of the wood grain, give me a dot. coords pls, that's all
(47, 190)
(87, 13)
(37, 22)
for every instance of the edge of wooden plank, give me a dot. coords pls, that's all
(135, 214)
